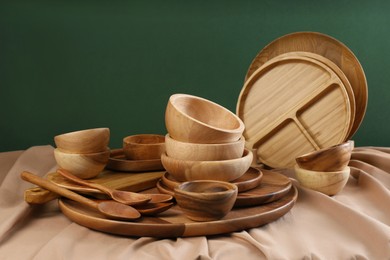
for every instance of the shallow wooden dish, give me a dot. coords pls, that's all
(273, 186)
(294, 114)
(331, 49)
(204, 152)
(222, 170)
(197, 120)
(329, 159)
(250, 180)
(118, 162)
(173, 223)
(84, 141)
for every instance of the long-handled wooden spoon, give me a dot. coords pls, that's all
(125, 197)
(111, 209)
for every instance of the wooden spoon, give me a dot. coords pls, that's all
(125, 197)
(151, 209)
(111, 209)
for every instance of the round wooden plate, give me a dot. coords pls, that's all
(173, 223)
(292, 105)
(250, 180)
(273, 186)
(328, 47)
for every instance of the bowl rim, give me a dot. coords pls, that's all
(100, 129)
(230, 188)
(125, 139)
(342, 145)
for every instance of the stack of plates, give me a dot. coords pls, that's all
(303, 92)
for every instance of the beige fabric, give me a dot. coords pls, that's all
(354, 224)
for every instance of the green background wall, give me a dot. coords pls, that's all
(71, 65)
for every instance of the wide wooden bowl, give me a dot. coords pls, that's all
(329, 183)
(204, 152)
(206, 200)
(144, 146)
(197, 120)
(222, 170)
(84, 141)
(334, 158)
(84, 166)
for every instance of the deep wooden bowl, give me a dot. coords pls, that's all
(334, 158)
(223, 170)
(144, 146)
(329, 183)
(197, 120)
(84, 166)
(204, 152)
(84, 141)
(206, 200)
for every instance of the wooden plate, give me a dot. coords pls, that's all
(116, 180)
(329, 48)
(173, 223)
(118, 162)
(292, 105)
(338, 72)
(273, 186)
(250, 180)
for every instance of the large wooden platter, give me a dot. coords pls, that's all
(173, 223)
(331, 49)
(292, 105)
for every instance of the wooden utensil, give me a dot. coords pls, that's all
(293, 105)
(328, 47)
(111, 209)
(173, 223)
(152, 209)
(125, 197)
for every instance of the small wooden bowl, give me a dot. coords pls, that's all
(224, 170)
(197, 120)
(84, 166)
(206, 200)
(334, 158)
(204, 152)
(144, 146)
(84, 141)
(329, 183)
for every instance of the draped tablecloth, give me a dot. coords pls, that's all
(354, 224)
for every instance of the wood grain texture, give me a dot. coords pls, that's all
(290, 106)
(144, 146)
(328, 47)
(173, 223)
(197, 120)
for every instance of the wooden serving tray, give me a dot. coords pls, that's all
(329, 48)
(293, 105)
(173, 223)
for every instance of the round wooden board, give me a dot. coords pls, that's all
(331, 49)
(173, 223)
(292, 105)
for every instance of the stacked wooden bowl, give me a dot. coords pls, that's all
(303, 92)
(204, 141)
(325, 170)
(84, 153)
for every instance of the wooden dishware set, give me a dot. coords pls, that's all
(304, 97)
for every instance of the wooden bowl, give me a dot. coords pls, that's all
(84, 141)
(84, 166)
(197, 120)
(329, 183)
(144, 146)
(204, 152)
(334, 158)
(223, 170)
(206, 200)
